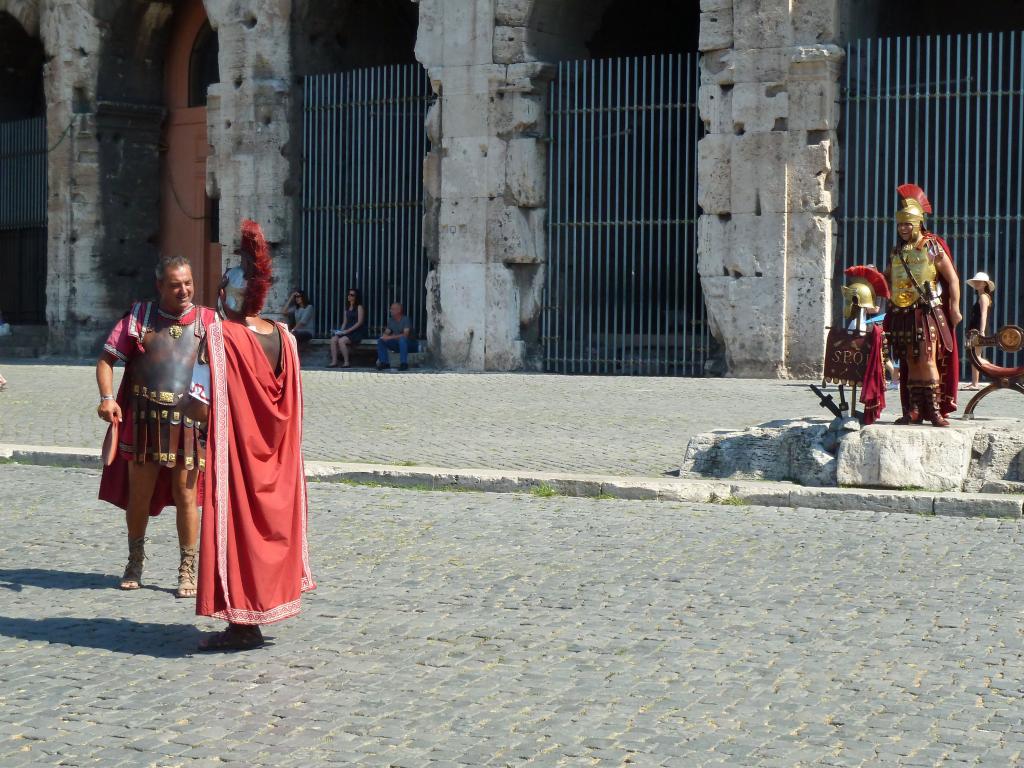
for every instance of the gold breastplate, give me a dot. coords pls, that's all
(904, 294)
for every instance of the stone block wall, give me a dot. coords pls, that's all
(485, 181)
(769, 102)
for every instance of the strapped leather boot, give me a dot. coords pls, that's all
(912, 413)
(932, 412)
(132, 578)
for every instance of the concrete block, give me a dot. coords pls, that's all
(808, 312)
(515, 235)
(456, 80)
(473, 167)
(761, 24)
(716, 29)
(503, 349)
(715, 5)
(760, 107)
(815, 21)
(863, 499)
(811, 178)
(526, 172)
(715, 105)
(714, 175)
(763, 494)
(978, 505)
(511, 45)
(462, 307)
(758, 173)
(462, 230)
(512, 13)
(813, 104)
(455, 32)
(693, 490)
(745, 314)
(810, 251)
(466, 115)
(518, 114)
(889, 456)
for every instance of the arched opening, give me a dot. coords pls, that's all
(361, 118)
(622, 292)
(22, 176)
(188, 220)
(934, 96)
(156, 61)
(883, 18)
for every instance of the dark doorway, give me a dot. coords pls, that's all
(22, 176)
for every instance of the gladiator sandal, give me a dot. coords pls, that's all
(932, 410)
(132, 578)
(187, 573)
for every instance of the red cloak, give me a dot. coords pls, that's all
(253, 555)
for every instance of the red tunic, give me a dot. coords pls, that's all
(253, 555)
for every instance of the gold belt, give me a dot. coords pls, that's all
(164, 398)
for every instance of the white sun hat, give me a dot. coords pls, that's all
(981, 279)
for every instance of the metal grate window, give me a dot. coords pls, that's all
(623, 295)
(362, 199)
(947, 113)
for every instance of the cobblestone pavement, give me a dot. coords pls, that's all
(472, 629)
(610, 425)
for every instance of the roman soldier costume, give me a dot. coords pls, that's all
(918, 319)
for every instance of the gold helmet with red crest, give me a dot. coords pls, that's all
(864, 284)
(914, 205)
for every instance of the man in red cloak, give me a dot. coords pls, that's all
(253, 556)
(923, 313)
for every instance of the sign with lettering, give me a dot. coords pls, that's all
(846, 356)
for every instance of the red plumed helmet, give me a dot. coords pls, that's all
(914, 192)
(256, 266)
(872, 277)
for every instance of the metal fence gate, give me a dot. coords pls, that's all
(23, 220)
(623, 295)
(946, 113)
(362, 197)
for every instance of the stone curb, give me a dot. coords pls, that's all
(735, 492)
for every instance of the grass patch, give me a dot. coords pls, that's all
(604, 497)
(544, 491)
(406, 464)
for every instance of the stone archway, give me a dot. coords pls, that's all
(22, 172)
(188, 216)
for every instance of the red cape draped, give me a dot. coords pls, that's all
(114, 480)
(948, 362)
(872, 393)
(253, 555)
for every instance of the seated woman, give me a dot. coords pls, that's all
(352, 331)
(302, 330)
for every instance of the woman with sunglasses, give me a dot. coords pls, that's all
(352, 331)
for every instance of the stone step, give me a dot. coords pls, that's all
(26, 335)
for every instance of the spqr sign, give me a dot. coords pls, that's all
(846, 356)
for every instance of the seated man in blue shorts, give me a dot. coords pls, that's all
(397, 338)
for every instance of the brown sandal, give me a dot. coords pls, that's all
(237, 637)
(187, 573)
(132, 578)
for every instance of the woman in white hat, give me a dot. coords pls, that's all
(978, 318)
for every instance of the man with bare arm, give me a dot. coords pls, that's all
(159, 461)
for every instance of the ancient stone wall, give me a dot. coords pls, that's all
(769, 101)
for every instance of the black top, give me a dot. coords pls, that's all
(974, 319)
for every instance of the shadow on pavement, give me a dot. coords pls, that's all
(15, 578)
(117, 635)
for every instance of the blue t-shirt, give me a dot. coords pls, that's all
(398, 327)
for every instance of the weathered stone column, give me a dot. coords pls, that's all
(768, 98)
(248, 128)
(485, 180)
(77, 308)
